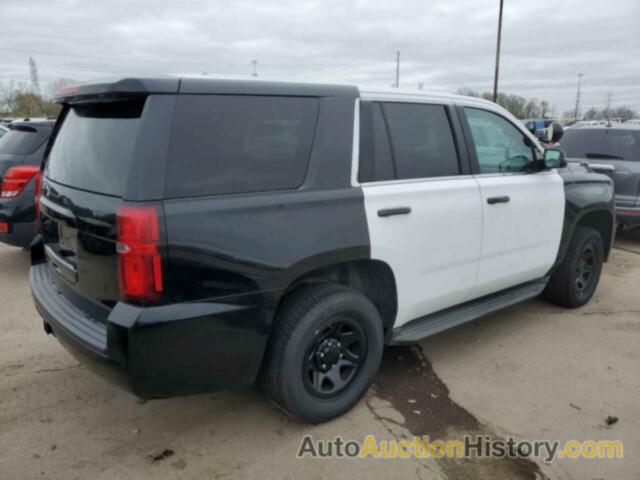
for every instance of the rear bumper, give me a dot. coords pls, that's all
(19, 235)
(161, 351)
(20, 214)
(628, 217)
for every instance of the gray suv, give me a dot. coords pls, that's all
(618, 146)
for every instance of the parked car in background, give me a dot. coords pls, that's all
(3, 130)
(589, 123)
(21, 151)
(619, 146)
(538, 127)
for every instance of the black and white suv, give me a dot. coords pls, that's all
(204, 234)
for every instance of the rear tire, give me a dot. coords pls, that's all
(575, 280)
(324, 352)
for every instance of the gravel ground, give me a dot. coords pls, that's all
(533, 372)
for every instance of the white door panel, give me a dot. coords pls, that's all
(520, 238)
(435, 250)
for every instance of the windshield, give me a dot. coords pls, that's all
(22, 140)
(602, 144)
(94, 147)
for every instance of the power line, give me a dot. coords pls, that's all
(165, 62)
(107, 59)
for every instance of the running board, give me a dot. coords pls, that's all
(434, 323)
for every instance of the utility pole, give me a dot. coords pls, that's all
(578, 95)
(254, 67)
(35, 83)
(398, 69)
(608, 103)
(497, 72)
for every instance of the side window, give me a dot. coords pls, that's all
(239, 143)
(422, 141)
(375, 153)
(500, 146)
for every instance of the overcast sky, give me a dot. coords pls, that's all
(447, 44)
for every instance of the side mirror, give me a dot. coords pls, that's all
(554, 158)
(554, 133)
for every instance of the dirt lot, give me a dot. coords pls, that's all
(533, 371)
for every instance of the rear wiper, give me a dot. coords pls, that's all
(604, 156)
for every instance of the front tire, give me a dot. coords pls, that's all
(575, 280)
(324, 352)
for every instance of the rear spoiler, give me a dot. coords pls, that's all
(107, 90)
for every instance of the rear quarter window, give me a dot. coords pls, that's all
(223, 144)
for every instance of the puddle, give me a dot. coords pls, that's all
(407, 381)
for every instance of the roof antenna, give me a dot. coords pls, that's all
(254, 67)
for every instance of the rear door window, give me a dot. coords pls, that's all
(23, 140)
(422, 141)
(95, 146)
(222, 144)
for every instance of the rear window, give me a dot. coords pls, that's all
(223, 144)
(601, 144)
(95, 146)
(23, 140)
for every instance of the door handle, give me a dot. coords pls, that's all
(494, 200)
(390, 212)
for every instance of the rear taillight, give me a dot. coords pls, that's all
(39, 177)
(139, 260)
(16, 179)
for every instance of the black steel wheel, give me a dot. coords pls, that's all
(585, 269)
(574, 281)
(324, 352)
(334, 357)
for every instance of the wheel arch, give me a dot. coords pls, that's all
(600, 219)
(604, 223)
(373, 278)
